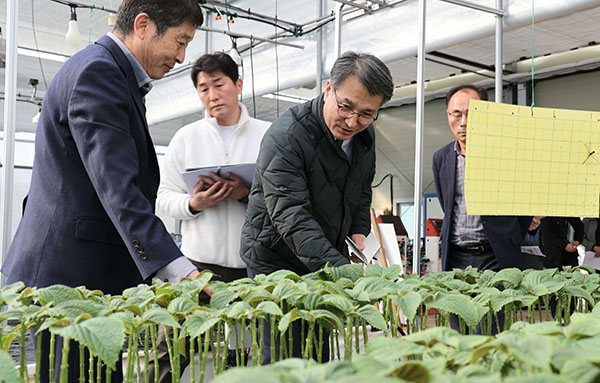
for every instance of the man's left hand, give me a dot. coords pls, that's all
(535, 223)
(240, 190)
(359, 239)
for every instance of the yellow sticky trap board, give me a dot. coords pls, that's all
(532, 161)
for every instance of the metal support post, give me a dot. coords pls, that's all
(420, 127)
(10, 109)
(499, 63)
(337, 49)
(319, 86)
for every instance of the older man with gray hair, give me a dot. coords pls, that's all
(312, 185)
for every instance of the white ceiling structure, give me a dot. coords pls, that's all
(283, 75)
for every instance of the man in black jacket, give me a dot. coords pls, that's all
(312, 185)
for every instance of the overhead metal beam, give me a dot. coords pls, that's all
(457, 67)
(356, 5)
(476, 6)
(463, 61)
(252, 37)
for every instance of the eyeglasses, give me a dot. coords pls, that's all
(344, 111)
(456, 115)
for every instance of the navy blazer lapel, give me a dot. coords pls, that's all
(450, 171)
(125, 66)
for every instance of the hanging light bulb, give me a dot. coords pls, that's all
(73, 36)
(235, 54)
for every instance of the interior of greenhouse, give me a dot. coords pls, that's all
(277, 191)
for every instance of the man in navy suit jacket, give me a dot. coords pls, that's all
(484, 242)
(89, 218)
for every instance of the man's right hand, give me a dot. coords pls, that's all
(206, 288)
(206, 195)
(571, 247)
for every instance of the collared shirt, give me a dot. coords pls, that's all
(181, 266)
(467, 230)
(143, 80)
(346, 146)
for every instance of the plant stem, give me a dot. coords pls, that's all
(91, 373)
(204, 354)
(146, 355)
(365, 332)
(225, 348)
(272, 319)
(51, 357)
(23, 361)
(192, 360)
(38, 356)
(64, 364)
(154, 339)
(254, 341)
(237, 345)
(262, 341)
(357, 333)
(169, 351)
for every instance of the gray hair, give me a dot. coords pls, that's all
(369, 70)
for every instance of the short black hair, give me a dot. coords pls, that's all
(479, 90)
(369, 70)
(164, 13)
(213, 62)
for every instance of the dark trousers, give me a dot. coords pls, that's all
(485, 260)
(296, 329)
(221, 273)
(73, 362)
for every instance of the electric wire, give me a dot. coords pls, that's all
(36, 45)
(532, 56)
(252, 73)
(276, 59)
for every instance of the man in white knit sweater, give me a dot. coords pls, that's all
(213, 216)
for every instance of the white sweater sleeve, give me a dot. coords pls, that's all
(173, 198)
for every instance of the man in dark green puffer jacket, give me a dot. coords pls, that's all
(312, 185)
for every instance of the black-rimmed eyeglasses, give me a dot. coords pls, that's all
(344, 111)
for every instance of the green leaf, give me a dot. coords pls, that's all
(6, 340)
(239, 310)
(287, 289)
(392, 349)
(412, 371)
(222, 298)
(582, 326)
(287, 319)
(509, 278)
(57, 294)
(103, 336)
(280, 275)
(460, 305)
(258, 295)
(351, 271)
(182, 306)
(199, 323)
(372, 315)
(10, 293)
(270, 308)
(8, 371)
(580, 371)
(73, 309)
(338, 301)
(328, 316)
(375, 287)
(160, 316)
(578, 292)
(408, 302)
